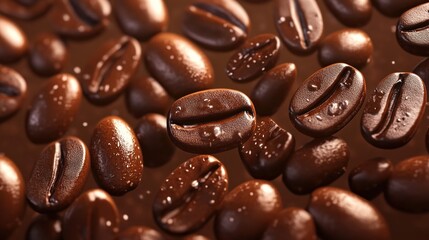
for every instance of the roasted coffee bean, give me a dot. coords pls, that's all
(327, 100)
(46, 227)
(267, 150)
(141, 19)
(151, 131)
(350, 46)
(353, 13)
(190, 195)
(139, 233)
(271, 90)
(53, 108)
(109, 70)
(48, 54)
(292, 224)
(369, 178)
(23, 9)
(257, 55)
(247, 211)
(196, 237)
(422, 70)
(316, 164)
(299, 24)
(59, 175)
(394, 8)
(179, 65)
(145, 95)
(116, 157)
(216, 24)
(211, 121)
(80, 18)
(13, 42)
(395, 109)
(92, 216)
(340, 214)
(12, 196)
(13, 90)
(412, 30)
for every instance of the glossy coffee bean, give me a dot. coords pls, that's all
(394, 110)
(13, 42)
(211, 121)
(151, 131)
(109, 70)
(350, 46)
(369, 178)
(327, 100)
(22, 10)
(12, 196)
(265, 153)
(59, 175)
(46, 227)
(93, 216)
(394, 8)
(257, 55)
(271, 90)
(13, 90)
(292, 224)
(53, 108)
(47, 55)
(216, 24)
(195, 237)
(316, 164)
(141, 19)
(190, 195)
(422, 70)
(340, 214)
(179, 65)
(116, 157)
(247, 211)
(139, 233)
(353, 13)
(299, 24)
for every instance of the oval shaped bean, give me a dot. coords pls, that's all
(47, 227)
(353, 13)
(13, 90)
(13, 42)
(48, 54)
(24, 9)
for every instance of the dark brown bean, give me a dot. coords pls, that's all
(316, 164)
(327, 100)
(190, 195)
(422, 70)
(211, 121)
(53, 108)
(219, 24)
(46, 227)
(59, 175)
(340, 214)
(22, 10)
(116, 157)
(353, 13)
(299, 24)
(13, 42)
(48, 54)
(247, 210)
(13, 90)
(394, 8)
(257, 55)
(139, 233)
(395, 109)
(179, 65)
(267, 150)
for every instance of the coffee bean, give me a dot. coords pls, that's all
(351, 12)
(190, 195)
(141, 19)
(422, 70)
(327, 100)
(80, 18)
(24, 9)
(395, 109)
(267, 150)
(145, 95)
(116, 157)
(12, 196)
(13, 42)
(196, 237)
(47, 227)
(109, 70)
(59, 175)
(179, 65)
(299, 24)
(340, 214)
(219, 25)
(271, 90)
(257, 55)
(292, 224)
(13, 90)
(211, 121)
(93, 215)
(139, 233)
(48, 54)
(394, 8)
(151, 131)
(350, 46)
(412, 30)
(53, 108)
(317, 163)
(247, 210)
